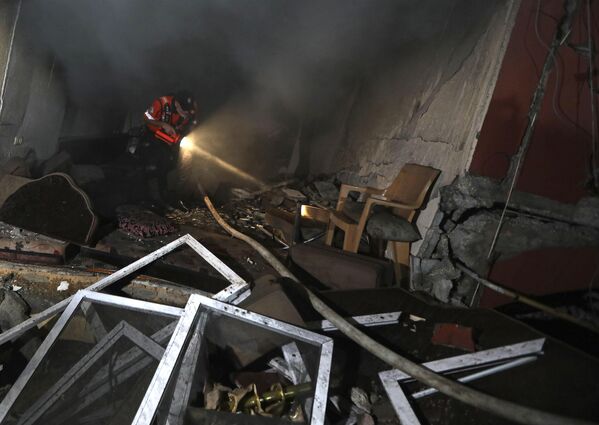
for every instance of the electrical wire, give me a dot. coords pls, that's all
(513, 172)
(558, 63)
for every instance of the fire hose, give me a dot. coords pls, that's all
(494, 405)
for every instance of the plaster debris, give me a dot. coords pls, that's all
(63, 286)
(294, 195)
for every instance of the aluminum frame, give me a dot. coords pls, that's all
(239, 288)
(123, 329)
(526, 351)
(317, 416)
(368, 320)
(165, 367)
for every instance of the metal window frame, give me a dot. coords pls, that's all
(501, 357)
(122, 330)
(165, 367)
(181, 396)
(368, 320)
(236, 292)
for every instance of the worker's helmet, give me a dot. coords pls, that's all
(185, 99)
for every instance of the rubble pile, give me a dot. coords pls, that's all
(464, 227)
(244, 214)
(262, 353)
(246, 211)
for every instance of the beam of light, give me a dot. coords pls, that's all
(189, 146)
(186, 143)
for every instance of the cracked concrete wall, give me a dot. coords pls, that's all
(426, 107)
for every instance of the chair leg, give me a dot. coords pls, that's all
(328, 240)
(401, 253)
(358, 230)
(351, 242)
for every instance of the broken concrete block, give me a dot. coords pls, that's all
(434, 276)
(587, 211)
(391, 227)
(327, 190)
(276, 200)
(294, 195)
(13, 310)
(441, 289)
(443, 249)
(419, 268)
(518, 234)
(475, 193)
(444, 269)
(360, 399)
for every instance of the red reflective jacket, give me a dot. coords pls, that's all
(163, 109)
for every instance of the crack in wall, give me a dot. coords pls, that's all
(418, 139)
(419, 113)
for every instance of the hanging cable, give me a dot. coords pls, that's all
(561, 34)
(557, 63)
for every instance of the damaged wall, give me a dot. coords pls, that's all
(557, 163)
(33, 96)
(428, 106)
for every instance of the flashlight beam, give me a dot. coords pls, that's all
(221, 163)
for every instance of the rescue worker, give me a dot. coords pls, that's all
(168, 120)
(173, 115)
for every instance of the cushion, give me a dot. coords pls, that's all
(391, 227)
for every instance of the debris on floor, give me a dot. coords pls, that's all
(248, 363)
(23, 246)
(455, 336)
(142, 223)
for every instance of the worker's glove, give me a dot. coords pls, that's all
(170, 130)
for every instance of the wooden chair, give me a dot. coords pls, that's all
(405, 195)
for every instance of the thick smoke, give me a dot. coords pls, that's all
(273, 66)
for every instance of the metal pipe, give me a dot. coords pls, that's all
(527, 300)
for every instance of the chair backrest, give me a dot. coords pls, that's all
(412, 184)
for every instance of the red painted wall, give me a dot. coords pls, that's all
(557, 163)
